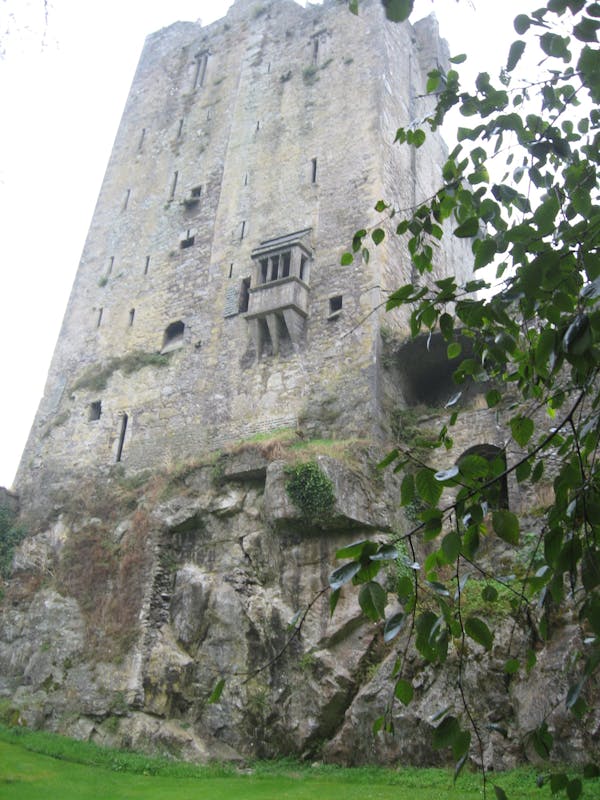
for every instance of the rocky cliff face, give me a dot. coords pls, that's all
(127, 608)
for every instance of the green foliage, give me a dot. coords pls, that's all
(96, 377)
(11, 535)
(310, 490)
(521, 185)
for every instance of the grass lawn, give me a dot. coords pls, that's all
(75, 772)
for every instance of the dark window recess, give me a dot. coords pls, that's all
(131, 316)
(173, 333)
(99, 321)
(231, 270)
(147, 265)
(188, 241)
(141, 142)
(180, 129)
(111, 263)
(264, 270)
(196, 192)
(286, 259)
(335, 306)
(315, 51)
(95, 411)
(274, 268)
(243, 231)
(201, 63)
(314, 170)
(258, 125)
(122, 432)
(303, 268)
(244, 296)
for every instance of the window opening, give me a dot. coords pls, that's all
(287, 260)
(147, 265)
(180, 129)
(315, 51)
(258, 125)
(196, 192)
(264, 270)
(173, 333)
(100, 312)
(111, 263)
(174, 184)
(244, 296)
(231, 270)
(274, 268)
(126, 201)
(243, 229)
(131, 316)
(122, 433)
(201, 62)
(335, 306)
(141, 142)
(303, 268)
(95, 411)
(246, 179)
(314, 170)
(188, 241)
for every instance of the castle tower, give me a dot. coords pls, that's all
(210, 303)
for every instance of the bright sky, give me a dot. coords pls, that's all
(63, 86)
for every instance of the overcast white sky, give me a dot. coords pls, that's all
(63, 84)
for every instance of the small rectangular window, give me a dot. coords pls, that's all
(335, 306)
(201, 63)
(187, 242)
(314, 170)
(131, 316)
(274, 268)
(231, 270)
(95, 411)
(196, 192)
(243, 231)
(147, 265)
(123, 431)
(287, 260)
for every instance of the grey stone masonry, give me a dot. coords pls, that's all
(210, 302)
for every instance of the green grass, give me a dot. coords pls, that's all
(37, 765)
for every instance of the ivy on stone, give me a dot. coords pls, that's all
(310, 490)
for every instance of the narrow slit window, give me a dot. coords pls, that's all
(231, 270)
(131, 316)
(180, 129)
(274, 268)
(141, 142)
(315, 51)
(264, 270)
(303, 268)
(122, 432)
(201, 62)
(243, 231)
(147, 265)
(314, 170)
(111, 263)
(258, 125)
(244, 296)
(286, 259)
(246, 179)
(99, 320)
(174, 184)
(127, 198)
(95, 411)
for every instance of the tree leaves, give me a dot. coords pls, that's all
(506, 526)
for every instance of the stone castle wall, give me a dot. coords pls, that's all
(273, 120)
